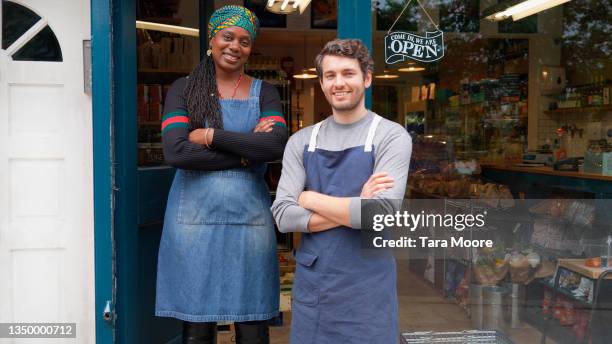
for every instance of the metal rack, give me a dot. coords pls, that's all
(463, 337)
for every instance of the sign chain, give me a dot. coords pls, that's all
(405, 7)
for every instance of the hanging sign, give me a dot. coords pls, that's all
(402, 45)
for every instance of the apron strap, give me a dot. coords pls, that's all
(313, 137)
(370, 137)
(255, 88)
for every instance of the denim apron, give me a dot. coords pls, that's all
(217, 256)
(339, 294)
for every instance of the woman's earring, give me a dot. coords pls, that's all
(208, 52)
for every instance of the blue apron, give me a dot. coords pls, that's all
(339, 294)
(217, 256)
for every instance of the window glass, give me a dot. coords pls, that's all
(16, 20)
(43, 47)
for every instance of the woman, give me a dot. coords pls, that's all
(217, 256)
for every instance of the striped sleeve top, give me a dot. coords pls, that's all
(229, 147)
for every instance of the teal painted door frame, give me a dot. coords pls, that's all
(102, 100)
(126, 143)
(114, 136)
(355, 21)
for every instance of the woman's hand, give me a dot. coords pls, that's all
(202, 136)
(377, 183)
(264, 126)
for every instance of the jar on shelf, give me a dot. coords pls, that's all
(157, 154)
(144, 150)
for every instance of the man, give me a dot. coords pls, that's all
(340, 295)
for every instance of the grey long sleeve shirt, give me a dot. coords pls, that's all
(392, 147)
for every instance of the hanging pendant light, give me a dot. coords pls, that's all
(386, 75)
(306, 73)
(411, 68)
(287, 6)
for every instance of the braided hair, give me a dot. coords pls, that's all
(201, 94)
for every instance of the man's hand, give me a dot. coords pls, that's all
(377, 183)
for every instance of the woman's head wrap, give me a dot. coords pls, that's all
(232, 15)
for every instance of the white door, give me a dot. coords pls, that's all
(46, 190)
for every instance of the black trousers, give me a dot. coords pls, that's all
(249, 332)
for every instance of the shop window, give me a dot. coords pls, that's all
(388, 10)
(385, 101)
(266, 18)
(460, 16)
(526, 25)
(16, 20)
(43, 47)
(324, 14)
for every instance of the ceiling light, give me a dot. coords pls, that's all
(287, 6)
(386, 75)
(305, 74)
(313, 69)
(411, 69)
(524, 9)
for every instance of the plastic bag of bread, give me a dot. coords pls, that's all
(579, 212)
(490, 271)
(458, 188)
(490, 195)
(550, 207)
(521, 270)
(506, 200)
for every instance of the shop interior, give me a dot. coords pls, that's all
(515, 119)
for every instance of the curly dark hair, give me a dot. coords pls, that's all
(352, 48)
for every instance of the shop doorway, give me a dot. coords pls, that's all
(46, 210)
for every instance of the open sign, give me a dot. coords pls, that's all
(402, 45)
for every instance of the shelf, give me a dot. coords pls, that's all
(162, 20)
(566, 293)
(163, 71)
(502, 119)
(603, 108)
(577, 266)
(150, 123)
(277, 82)
(155, 167)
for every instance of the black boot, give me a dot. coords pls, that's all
(252, 332)
(199, 333)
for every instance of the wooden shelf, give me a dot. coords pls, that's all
(577, 265)
(163, 20)
(163, 71)
(603, 108)
(150, 123)
(545, 170)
